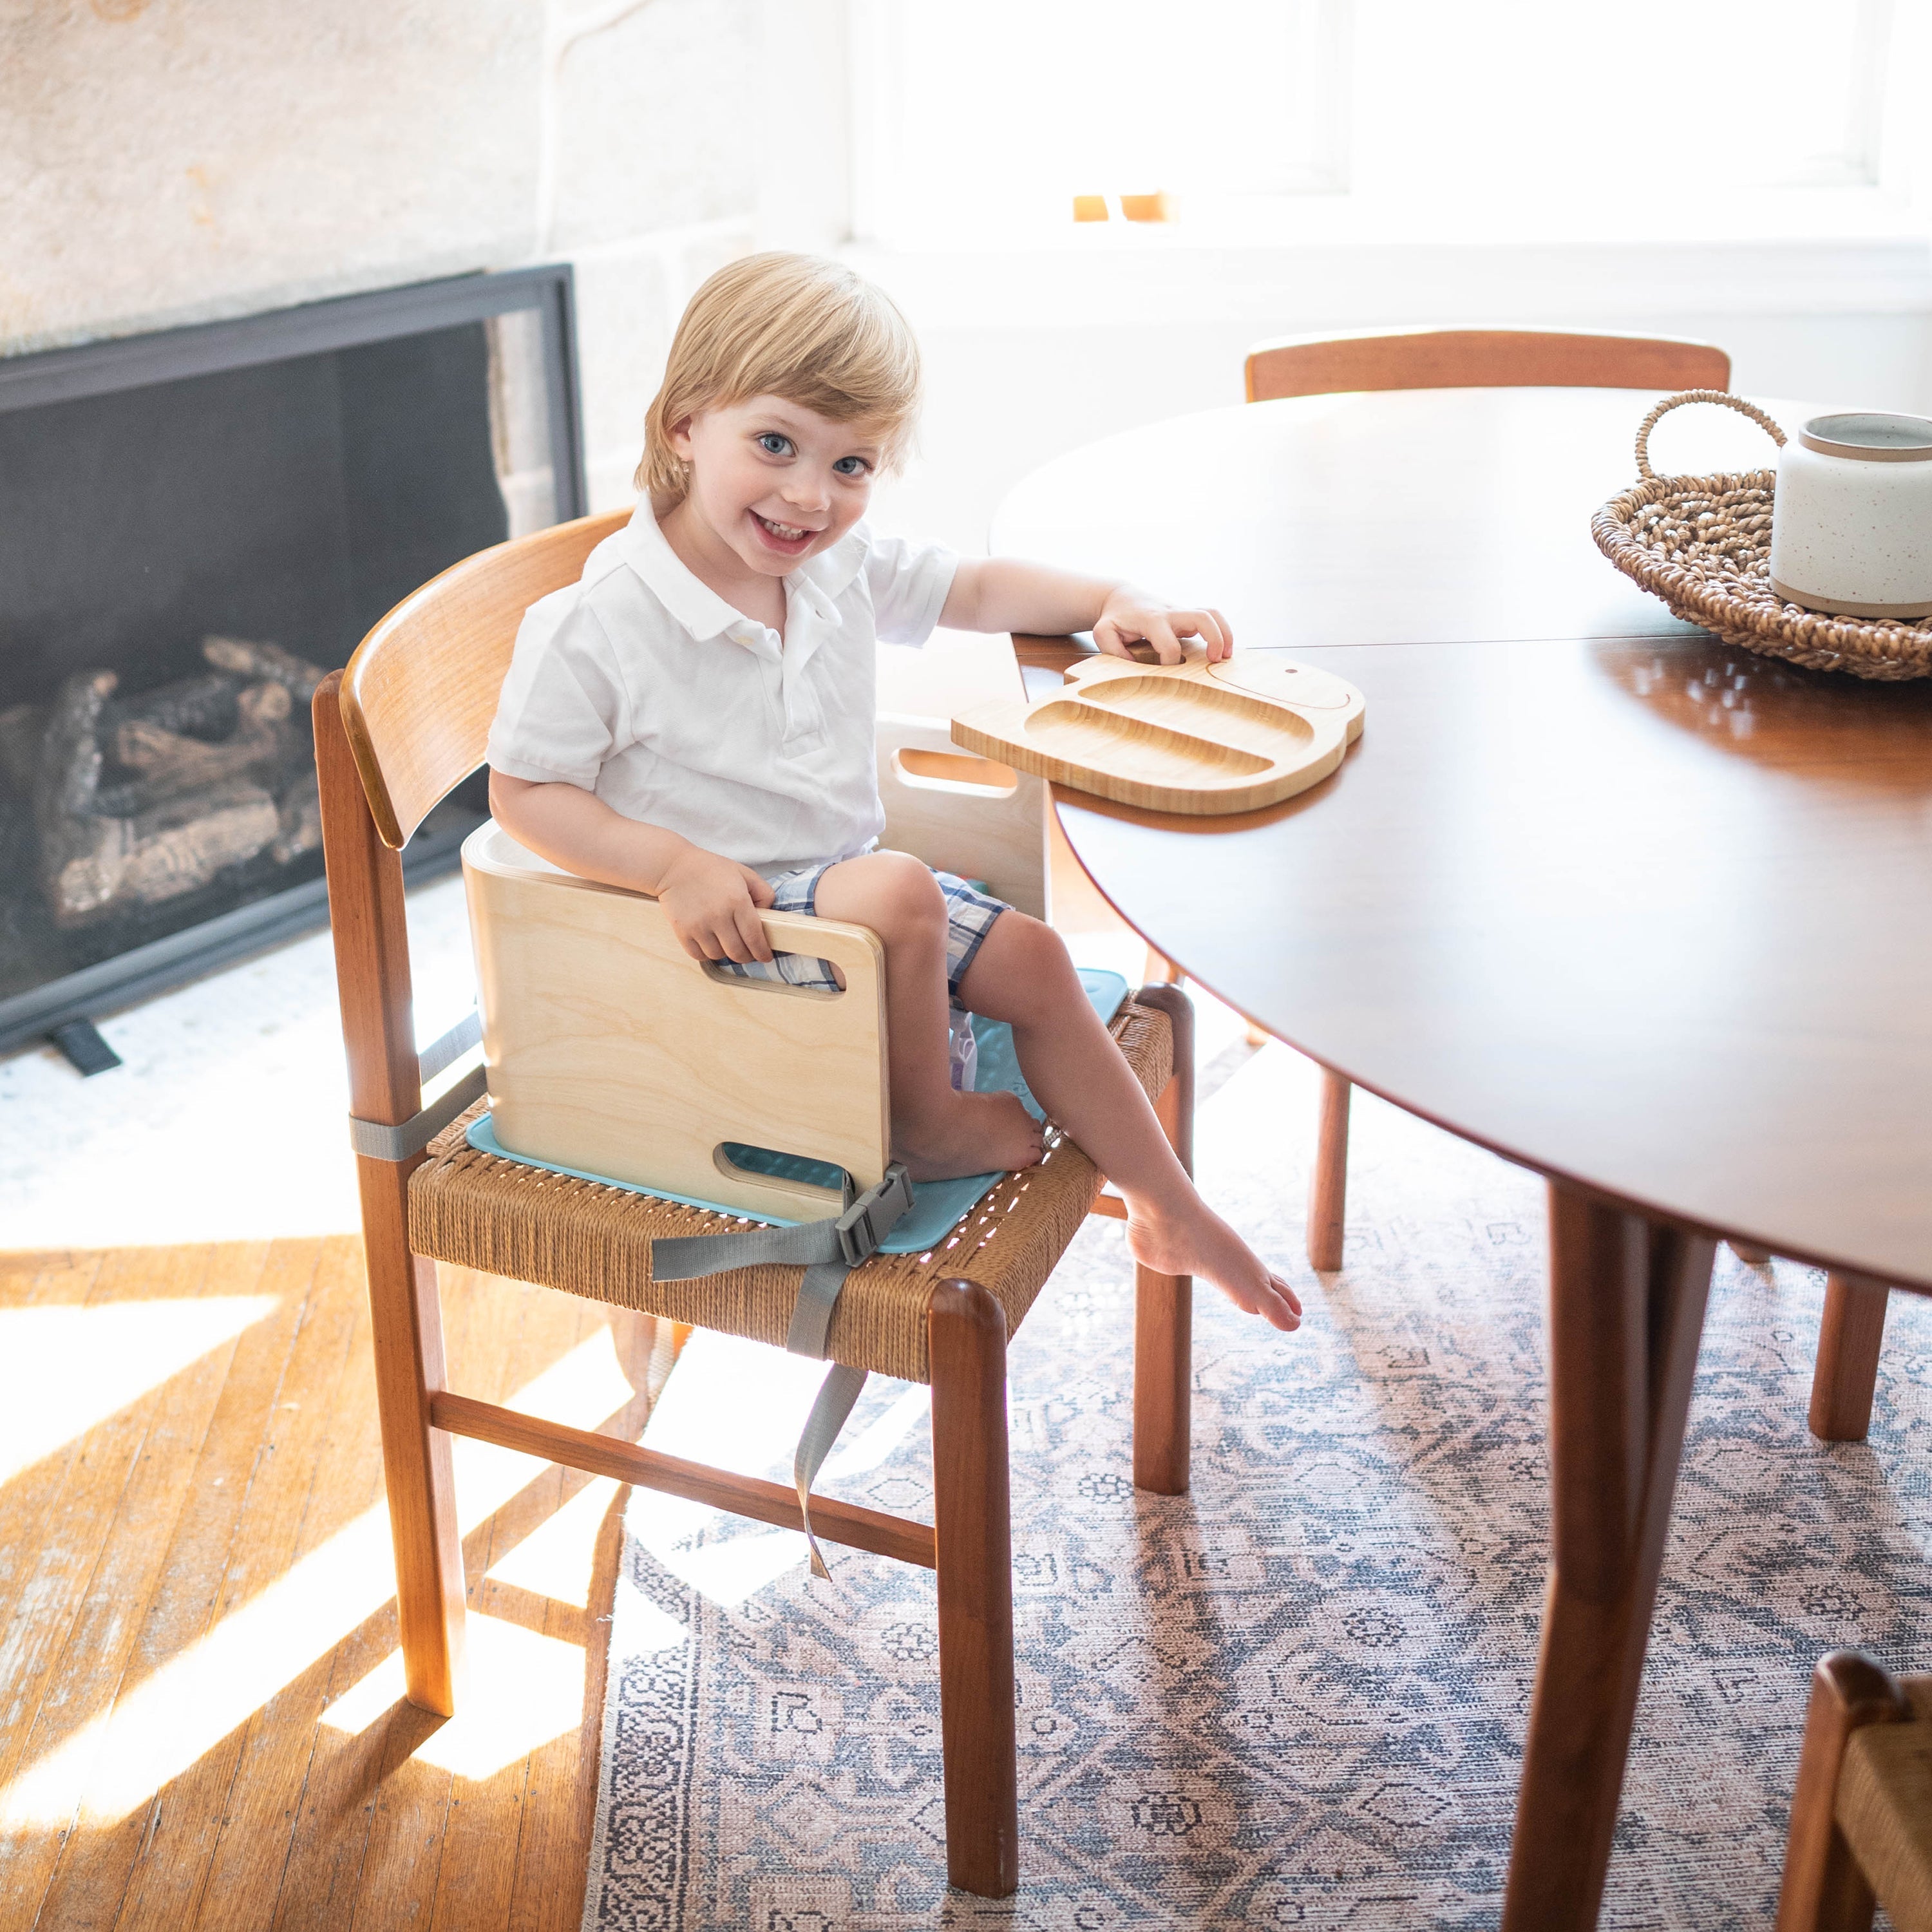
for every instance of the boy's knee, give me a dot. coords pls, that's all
(902, 893)
(1036, 950)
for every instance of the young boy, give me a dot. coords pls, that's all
(694, 719)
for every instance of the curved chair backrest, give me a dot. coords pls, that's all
(419, 693)
(1472, 358)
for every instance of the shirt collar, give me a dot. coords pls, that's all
(691, 600)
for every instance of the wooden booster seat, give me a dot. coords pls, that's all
(394, 732)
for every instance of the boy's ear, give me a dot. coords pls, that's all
(678, 436)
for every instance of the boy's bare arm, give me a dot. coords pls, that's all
(712, 901)
(1004, 593)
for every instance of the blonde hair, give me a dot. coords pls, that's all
(796, 326)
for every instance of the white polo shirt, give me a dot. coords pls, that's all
(642, 684)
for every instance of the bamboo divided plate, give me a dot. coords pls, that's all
(1190, 737)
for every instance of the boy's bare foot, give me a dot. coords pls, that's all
(971, 1133)
(1200, 1243)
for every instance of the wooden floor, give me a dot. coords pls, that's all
(201, 1719)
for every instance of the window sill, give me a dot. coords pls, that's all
(1866, 259)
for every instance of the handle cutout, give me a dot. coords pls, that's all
(719, 973)
(958, 772)
(738, 1161)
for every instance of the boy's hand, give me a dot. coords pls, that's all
(1130, 616)
(712, 904)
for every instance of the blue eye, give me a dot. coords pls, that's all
(773, 444)
(851, 466)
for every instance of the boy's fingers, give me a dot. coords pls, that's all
(1108, 637)
(1227, 631)
(752, 930)
(1214, 635)
(1204, 625)
(759, 887)
(1166, 645)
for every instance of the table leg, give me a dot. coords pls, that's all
(1626, 1310)
(1849, 1338)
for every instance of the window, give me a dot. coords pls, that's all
(1480, 118)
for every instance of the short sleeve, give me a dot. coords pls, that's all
(563, 710)
(909, 583)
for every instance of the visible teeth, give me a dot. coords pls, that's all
(789, 531)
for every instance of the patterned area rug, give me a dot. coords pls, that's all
(1295, 1697)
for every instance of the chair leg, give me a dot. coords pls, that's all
(372, 976)
(1849, 1337)
(1328, 1181)
(966, 1336)
(1824, 1890)
(1164, 1303)
(406, 1317)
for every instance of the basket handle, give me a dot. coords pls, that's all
(1669, 403)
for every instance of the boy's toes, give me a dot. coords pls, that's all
(1279, 1305)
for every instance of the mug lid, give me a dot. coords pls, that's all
(1871, 435)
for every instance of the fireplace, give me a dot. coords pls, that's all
(194, 527)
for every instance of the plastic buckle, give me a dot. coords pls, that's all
(872, 1217)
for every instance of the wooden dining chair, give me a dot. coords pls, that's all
(1448, 358)
(1861, 1832)
(1478, 359)
(394, 732)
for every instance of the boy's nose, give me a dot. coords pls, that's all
(807, 493)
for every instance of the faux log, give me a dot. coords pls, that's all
(112, 863)
(202, 706)
(264, 661)
(172, 765)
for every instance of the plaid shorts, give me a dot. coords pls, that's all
(969, 914)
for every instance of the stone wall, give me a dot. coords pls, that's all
(170, 161)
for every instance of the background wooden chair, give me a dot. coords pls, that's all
(406, 722)
(1860, 1831)
(1846, 1372)
(1478, 359)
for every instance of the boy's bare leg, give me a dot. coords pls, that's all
(1021, 974)
(938, 1132)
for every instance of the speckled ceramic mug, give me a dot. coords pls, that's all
(1851, 527)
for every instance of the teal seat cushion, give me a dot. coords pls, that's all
(937, 1205)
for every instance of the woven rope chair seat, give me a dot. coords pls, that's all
(504, 1218)
(1884, 1807)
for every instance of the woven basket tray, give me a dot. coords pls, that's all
(1702, 544)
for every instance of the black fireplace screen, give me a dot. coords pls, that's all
(194, 527)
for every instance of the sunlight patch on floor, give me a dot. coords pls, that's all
(160, 1726)
(64, 1368)
(519, 1690)
(740, 1406)
(556, 1559)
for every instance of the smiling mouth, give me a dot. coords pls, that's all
(789, 534)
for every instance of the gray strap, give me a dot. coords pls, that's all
(688, 1256)
(830, 1250)
(811, 1313)
(403, 1141)
(836, 1394)
(849, 1237)
(451, 1047)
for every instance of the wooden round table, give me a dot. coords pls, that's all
(1646, 913)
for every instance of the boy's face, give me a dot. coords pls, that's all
(775, 481)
